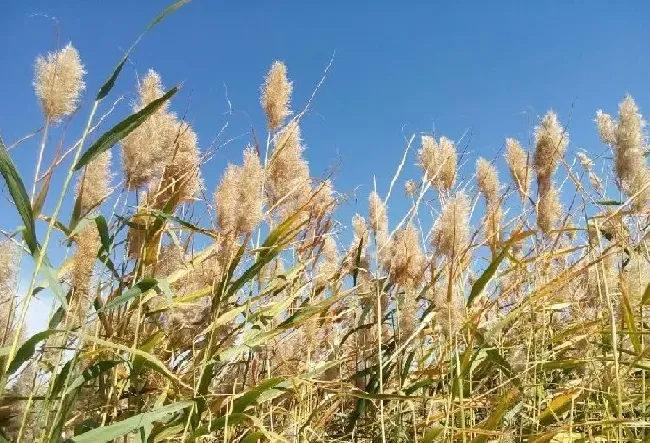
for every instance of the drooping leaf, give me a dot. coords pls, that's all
(91, 372)
(218, 423)
(116, 430)
(53, 282)
(254, 393)
(138, 289)
(28, 348)
(147, 346)
(431, 434)
(609, 202)
(152, 362)
(506, 402)
(479, 285)
(42, 193)
(557, 406)
(102, 229)
(19, 196)
(60, 379)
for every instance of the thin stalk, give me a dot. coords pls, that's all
(40, 256)
(40, 158)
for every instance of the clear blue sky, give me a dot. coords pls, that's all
(487, 67)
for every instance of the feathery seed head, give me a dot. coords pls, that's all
(551, 140)
(450, 314)
(276, 94)
(9, 256)
(377, 213)
(448, 163)
(238, 197)
(629, 161)
(451, 231)
(410, 187)
(147, 149)
(322, 201)
(88, 243)
(329, 264)
(492, 225)
(170, 259)
(438, 161)
(517, 160)
(360, 228)
(630, 125)
(94, 184)
(181, 179)
(427, 156)
(9, 265)
(58, 81)
(150, 89)
(360, 238)
(606, 127)
(288, 172)
(549, 209)
(586, 162)
(407, 260)
(487, 180)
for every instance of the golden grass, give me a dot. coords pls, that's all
(242, 318)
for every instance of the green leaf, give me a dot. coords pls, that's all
(479, 285)
(102, 228)
(42, 193)
(272, 246)
(86, 425)
(645, 300)
(147, 346)
(26, 351)
(253, 394)
(167, 216)
(559, 405)
(122, 129)
(431, 434)
(502, 364)
(609, 202)
(169, 9)
(494, 419)
(113, 431)
(21, 199)
(138, 289)
(59, 313)
(253, 437)
(91, 372)
(53, 282)
(60, 379)
(108, 85)
(152, 361)
(220, 423)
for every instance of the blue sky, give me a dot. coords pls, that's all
(489, 68)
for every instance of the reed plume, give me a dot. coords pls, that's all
(58, 82)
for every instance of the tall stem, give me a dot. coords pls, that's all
(40, 254)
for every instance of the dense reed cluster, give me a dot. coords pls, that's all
(245, 310)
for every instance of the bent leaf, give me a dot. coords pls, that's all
(19, 196)
(138, 289)
(116, 430)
